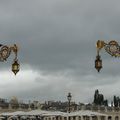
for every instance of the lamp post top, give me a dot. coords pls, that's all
(69, 96)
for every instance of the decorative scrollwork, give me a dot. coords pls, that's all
(113, 48)
(4, 53)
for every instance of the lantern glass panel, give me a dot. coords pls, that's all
(15, 67)
(98, 63)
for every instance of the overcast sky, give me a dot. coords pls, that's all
(56, 40)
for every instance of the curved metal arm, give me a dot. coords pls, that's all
(112, 47)
(15, 50)
(5, 52)
(100, 44)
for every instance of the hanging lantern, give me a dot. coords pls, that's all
(98, 63)
(15, 67)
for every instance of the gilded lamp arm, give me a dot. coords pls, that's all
(111, 48)
(14, 48)
(5, 52)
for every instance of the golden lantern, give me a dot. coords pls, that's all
(98, 63)
(15, 67)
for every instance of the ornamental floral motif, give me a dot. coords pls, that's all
(5, 52)
(113, 48)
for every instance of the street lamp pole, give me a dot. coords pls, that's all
(111, 48)
(5, 52)
(69, 100)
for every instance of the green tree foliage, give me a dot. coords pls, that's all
(99, 99)
(116, 101)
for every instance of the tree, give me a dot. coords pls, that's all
(115, 101)
(105, 102)
(96, 95)
(99, 99)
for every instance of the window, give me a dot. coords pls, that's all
(116, 118)
(74, 118)
(102, 118)
(65, 118)
(79, 118)
(109, 118)
(86, 118)
(94, 118)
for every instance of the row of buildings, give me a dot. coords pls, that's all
(79, 111)
(14, 104)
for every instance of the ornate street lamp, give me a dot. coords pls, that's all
(111, 48)
(69, 99)
(5, 52)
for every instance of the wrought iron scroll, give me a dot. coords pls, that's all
(112, 48)
(4, 52)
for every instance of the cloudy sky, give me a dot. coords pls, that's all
(56, 40)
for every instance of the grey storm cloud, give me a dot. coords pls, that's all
(56, 40)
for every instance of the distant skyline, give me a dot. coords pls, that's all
(56, 40)
(56, 100)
